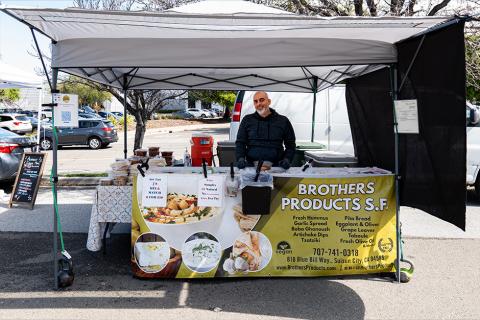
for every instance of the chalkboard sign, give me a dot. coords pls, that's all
(28, 179)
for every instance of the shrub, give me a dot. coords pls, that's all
(118, 123)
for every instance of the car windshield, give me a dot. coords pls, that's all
(21, 118)
(7, 134)
(88, 109)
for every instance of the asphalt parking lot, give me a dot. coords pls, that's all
(445, 285)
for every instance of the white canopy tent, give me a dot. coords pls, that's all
(208, 45)
(11, 78)
(231, 48)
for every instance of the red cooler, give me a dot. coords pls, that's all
(202, 147)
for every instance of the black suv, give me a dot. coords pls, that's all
(92, 132)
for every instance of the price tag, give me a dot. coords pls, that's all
(154, 191)
(66, 111)
(210, 191)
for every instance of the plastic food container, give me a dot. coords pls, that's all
(158, 162)
(153, 151)
(120, 180)
(106, 182)
(141, 152)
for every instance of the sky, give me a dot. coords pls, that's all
(16, 39)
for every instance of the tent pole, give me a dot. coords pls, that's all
(54, 180)
(314, 89)
(125, 122)
(39, 116)
(394, 88)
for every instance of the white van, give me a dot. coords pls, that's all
(473, 147)
(332, 127)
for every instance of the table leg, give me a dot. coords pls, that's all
(104, 239)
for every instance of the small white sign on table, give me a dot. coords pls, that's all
(154, 190)
(210, 191)
(406, 112)
(66, 111)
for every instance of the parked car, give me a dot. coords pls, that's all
(15, 122)
(28, 113)
(46, 113)
(212, 113)
(86, 109)
(34, 122)
(473, 147)
(94, 133)
(199, 113)
(219, 110)
(106, 114)
(183, 114)
(87, 115)
(12, 147)
(118, 113)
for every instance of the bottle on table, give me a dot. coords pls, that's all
(187, 159)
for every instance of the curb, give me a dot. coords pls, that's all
(72, 181)
(188, 127)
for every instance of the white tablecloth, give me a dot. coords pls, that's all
(111, 204)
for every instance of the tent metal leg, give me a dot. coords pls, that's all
(125, 123)
(54, 185)
(394, 86)
(314, 89)
(39, 117)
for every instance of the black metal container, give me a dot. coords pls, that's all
(256, 200)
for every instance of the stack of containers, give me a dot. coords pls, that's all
(120, 172)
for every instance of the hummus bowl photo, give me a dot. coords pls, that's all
(201, 254)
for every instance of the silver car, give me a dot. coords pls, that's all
(12, 147)
(15, 122)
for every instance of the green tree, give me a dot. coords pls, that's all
(472, 53)
(87, 95)
(9, 96)
(224, 98)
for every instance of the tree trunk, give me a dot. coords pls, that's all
(139, 131)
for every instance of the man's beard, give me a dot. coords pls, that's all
(262, 112)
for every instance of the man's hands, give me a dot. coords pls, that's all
(241, 163)
(285, 164)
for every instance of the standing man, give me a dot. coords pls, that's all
(265, 135)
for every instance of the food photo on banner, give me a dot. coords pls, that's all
(315, 227)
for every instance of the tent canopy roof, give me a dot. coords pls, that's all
(239, 46)
(226, 7)
(11, 77)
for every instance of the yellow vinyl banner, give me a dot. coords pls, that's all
(332, 226)
(315, 227)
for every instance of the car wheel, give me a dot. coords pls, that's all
(94, 143)
(202, 116)
(46, 144)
